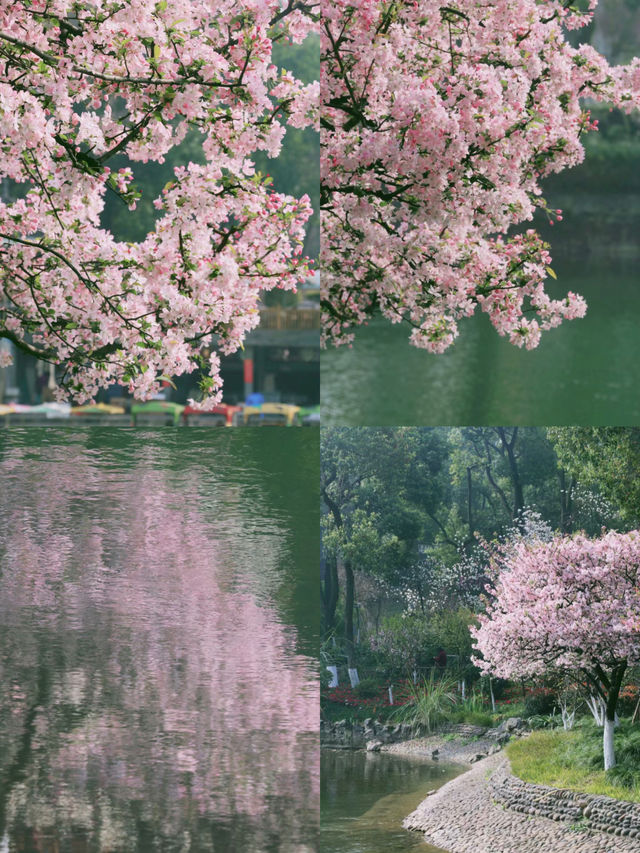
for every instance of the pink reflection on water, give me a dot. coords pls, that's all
(170, 685)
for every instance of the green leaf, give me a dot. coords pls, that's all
(168, 380)
(551, 273)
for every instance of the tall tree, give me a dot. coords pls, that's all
(606, 456)
(362, 474)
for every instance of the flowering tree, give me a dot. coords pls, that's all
(571, 604)
(439, 122)
(85, 81)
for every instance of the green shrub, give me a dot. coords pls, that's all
(540, 704)
(545, 721)
(368, 688)
(431, 703)
(475, 703)
(472, 718)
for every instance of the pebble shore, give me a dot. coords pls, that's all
(457, 751)
(462, 817)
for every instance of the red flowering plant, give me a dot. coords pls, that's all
(373, 699)
(628, 699)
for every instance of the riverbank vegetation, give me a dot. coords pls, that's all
(574, 760)
(441, 551)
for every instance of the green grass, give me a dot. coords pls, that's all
(573, 760)
(472, 718)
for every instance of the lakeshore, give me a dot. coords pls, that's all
(464, 816)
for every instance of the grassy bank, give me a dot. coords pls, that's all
(573, 760)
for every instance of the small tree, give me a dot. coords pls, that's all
(572, 605)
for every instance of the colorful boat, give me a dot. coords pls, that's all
(221, 415)
(271, 414)
(156, 413)
(101, 414)
(18, 413)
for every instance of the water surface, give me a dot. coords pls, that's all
(584, 372)
(157, 620)
(365, 797)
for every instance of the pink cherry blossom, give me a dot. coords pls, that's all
(571, 604)
(82, 84)
(438, 124)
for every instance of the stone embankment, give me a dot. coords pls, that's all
(487, 809)
(469, 815)
(346, 734)
(408, 739)
(591, 812)
(461, 744)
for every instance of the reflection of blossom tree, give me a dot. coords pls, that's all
(156, 698)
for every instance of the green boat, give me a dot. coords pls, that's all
(309, 416)
(156, 413)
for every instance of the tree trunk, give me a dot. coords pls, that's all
(348, 612)
(516, 482)
(566, 502)
(330, 590)
(610, 719)
(607, 742)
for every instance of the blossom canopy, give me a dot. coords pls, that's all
(572, 603)
(86, 81)
(439, 120)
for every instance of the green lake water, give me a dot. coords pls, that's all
(158, 622)
(365, 797)
(584, 372)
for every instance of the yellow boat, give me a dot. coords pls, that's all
(271, 414)
(98, 409)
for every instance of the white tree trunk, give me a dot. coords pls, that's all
(568, 717)
(596, 706)
(391, 694)
(353, 677)
(493, 698)
(607, 740)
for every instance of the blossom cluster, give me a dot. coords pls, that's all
(571, 604)
(86, 81)
(439, 121)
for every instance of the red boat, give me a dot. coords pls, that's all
(221, 415)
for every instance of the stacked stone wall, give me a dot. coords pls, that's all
(586, 811)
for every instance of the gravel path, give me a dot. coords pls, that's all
(461, 817)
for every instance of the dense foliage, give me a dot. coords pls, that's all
(409, 513)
